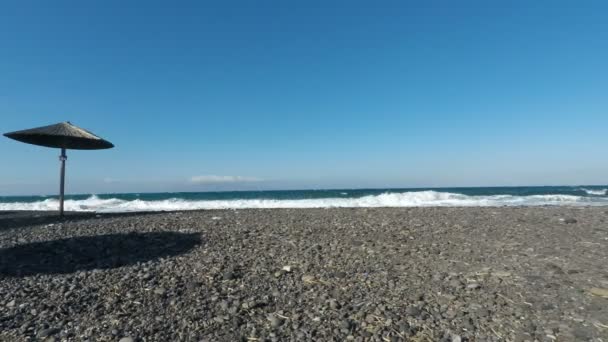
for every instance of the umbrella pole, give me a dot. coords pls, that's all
(62, 158)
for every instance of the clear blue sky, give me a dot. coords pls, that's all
(306, 94)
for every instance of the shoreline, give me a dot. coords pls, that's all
(362, 274)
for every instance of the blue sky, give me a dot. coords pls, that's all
(309, 94)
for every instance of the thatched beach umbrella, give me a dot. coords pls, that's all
(63, 135)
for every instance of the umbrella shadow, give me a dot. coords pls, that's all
(24, 219)
(93, 252)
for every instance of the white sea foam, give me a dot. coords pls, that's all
(596, 192)
(406, 199)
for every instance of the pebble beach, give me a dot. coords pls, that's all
(362, 274)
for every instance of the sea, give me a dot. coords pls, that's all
(596, 195)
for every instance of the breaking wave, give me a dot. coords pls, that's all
(390, 199)
(596, 192)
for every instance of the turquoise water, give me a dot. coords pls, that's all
(478, 196)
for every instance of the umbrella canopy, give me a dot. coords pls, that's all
(61, 135)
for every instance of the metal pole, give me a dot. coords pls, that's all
(62, 158)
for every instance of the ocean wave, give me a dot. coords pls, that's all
(390, 199)
(596, 192)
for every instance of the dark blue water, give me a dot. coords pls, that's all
(581, 191)
(478, 196)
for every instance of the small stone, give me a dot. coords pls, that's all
(160, 291)
(412, 311)
(24, 327)
(275, 322)
(127, 339)
(340, 274)
(570, 221)
(46, 332)
(501, 274)
(345, 324)
(553, 268)
(286, 269)
(229, 273)
(473, 286)
(582, 333)
(547, 307)
(11, 304)
(224, 305)
(455, 283)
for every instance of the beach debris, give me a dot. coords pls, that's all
(600, 292)
(216, 218)
(286, 269)
(309, 279)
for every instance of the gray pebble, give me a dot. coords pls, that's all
(275, 322)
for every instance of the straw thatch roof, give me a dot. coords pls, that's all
(61, 135)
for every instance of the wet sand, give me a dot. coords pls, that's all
(383, 274)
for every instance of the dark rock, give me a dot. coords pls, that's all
(229, 273)
(334, 305)
(46, 332)
(413, 311)
(345, 324)
(554, 268)
(582, 333)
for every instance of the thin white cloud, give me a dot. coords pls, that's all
(213, 179)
